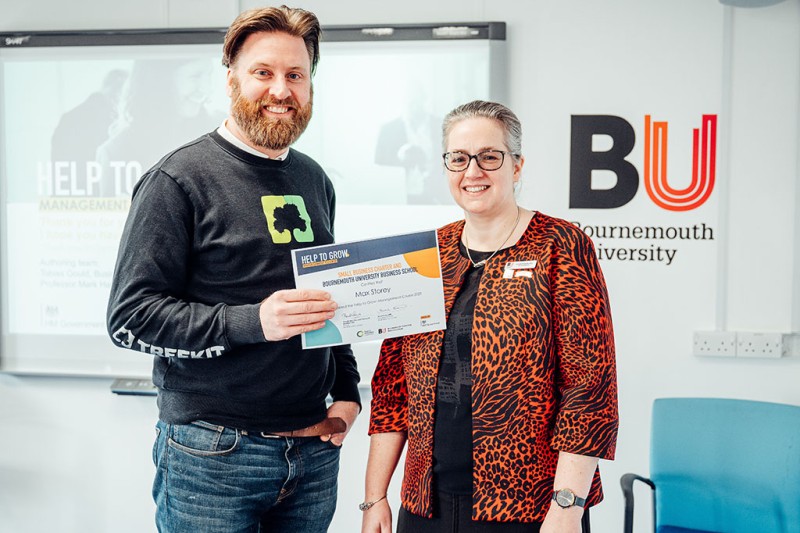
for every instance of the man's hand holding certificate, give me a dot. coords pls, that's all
(384, 287)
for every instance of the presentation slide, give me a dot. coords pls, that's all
(81, 124)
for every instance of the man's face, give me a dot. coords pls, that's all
(270, 90)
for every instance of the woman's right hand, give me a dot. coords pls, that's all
(377, 519)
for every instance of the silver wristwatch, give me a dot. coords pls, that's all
(566, 498)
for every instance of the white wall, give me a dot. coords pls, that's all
(77, 458)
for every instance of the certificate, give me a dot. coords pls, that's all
(385, 287)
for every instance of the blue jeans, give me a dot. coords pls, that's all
(214, 479)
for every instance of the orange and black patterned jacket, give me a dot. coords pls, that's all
(544, 374)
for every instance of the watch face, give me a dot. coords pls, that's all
(565, 498)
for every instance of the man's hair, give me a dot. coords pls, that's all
(491, 110)
(294, 21)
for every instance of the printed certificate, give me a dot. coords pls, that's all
(385, 287)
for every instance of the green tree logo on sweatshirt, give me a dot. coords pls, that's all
(287, 216)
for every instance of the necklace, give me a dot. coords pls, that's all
(483, 262)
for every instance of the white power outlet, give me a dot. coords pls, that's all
(715, 343)
(750, 344)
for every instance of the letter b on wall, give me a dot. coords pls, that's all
(583, 160)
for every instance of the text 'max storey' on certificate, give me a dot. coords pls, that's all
(385, 287)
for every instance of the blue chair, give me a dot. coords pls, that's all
(722, 466)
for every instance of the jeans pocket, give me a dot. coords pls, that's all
(203, 439)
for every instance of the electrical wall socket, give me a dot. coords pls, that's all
(746, 344)
(715, 343)
(750, 344)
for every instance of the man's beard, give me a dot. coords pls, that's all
(268, 132)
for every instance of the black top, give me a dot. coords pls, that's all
(452, 437)
(208, 237)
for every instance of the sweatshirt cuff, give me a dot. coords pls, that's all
(243, 325)
(346, 392)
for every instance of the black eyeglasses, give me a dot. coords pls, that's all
(486, 160)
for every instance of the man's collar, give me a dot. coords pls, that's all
(234, 140)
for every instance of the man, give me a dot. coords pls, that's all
(204, 283)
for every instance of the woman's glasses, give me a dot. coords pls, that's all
(486, 160)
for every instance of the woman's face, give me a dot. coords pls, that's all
(477, 191)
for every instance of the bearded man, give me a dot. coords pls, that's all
(204, 284)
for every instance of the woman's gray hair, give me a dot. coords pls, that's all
(491, 110)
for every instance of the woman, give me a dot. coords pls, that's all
(507, 411)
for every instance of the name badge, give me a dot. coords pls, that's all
(519, 269)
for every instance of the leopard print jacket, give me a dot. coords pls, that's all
(544, 374)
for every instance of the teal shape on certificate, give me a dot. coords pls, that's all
(329, 334)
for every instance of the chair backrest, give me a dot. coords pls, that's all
(727, 466)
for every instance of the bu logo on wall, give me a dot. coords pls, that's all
(584, 160)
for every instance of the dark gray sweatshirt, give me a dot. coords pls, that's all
(208, 237)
